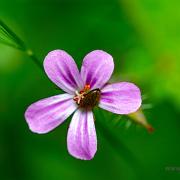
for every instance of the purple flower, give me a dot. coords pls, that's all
(84, 90)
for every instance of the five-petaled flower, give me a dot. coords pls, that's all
(84, 90)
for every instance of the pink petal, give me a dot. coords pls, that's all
(81, 139)
(62, 70)
(46, 114)
(120, 98)
(97, 68)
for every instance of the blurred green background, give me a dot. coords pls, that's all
(143, 36)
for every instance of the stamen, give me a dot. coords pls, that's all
(87, 98)
(87, 87)
(77, 93)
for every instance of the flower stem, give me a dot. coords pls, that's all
(9, 38)
(113, 139)
(30, 53)
(10, 35)
(117, 144)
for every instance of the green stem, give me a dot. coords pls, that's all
(17, 43)
(10, 44)
(12, 35)
(117, 144)
(113, 139)
(30, 53)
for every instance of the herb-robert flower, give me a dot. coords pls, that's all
(84, 90)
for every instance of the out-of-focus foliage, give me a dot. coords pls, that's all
(157, 24)
(143, 37)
